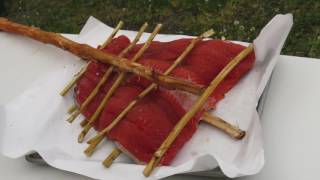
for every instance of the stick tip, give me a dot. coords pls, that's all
(81, 137)
(147, 171)
(159, 26)
(150, 166)
(63, 93)
(72, 108)
(111, 157)
(208, 33)
(93, 144)
(73, 116)
(90, 141)
(241, 135)
(70, 119)
(145, 24)
(84, 123)
(107, 163)
(89, 151)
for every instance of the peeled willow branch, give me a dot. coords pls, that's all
(98, 138)
(108, 72)
(116, 84)
(194, 109)
(87, 52)
(83, 69)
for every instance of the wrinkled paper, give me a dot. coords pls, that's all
(35, 119)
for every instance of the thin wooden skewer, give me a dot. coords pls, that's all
(87, 52)
(107, 74)
(116, 84)
(100, 136)
(195, 108)
(111, 157)
(113, 33)
(83, 69)
(73, 81)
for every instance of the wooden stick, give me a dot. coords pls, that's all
(72, 108)
(86, 52)
(83, 69)
(97, 139)
(73, 116)
(224, 126)
(113, 33)
(195, 108)
(116, 84)
(107, 74)
(84, 122)
(73, 81)
(111, 157)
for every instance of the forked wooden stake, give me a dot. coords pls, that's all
(116, 84)
(107, 74)
(195, 108)
(111, 157)
(83, 69)
(99, 137)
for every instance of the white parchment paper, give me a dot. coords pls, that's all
(35, 119)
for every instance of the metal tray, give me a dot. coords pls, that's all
(216, 172)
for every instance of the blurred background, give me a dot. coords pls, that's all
(233, 20)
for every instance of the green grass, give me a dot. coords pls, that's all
(236, 19)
